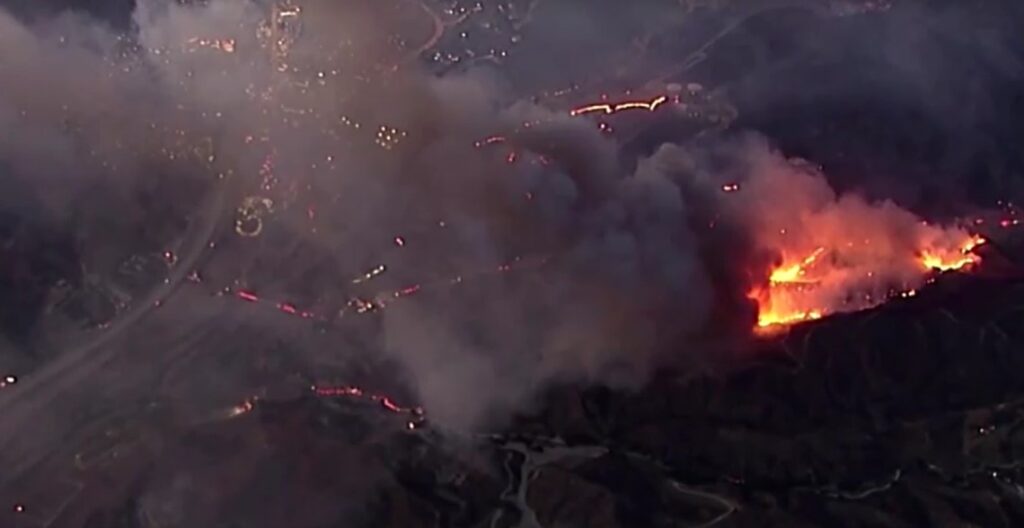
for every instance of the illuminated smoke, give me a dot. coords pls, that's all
(829, 253)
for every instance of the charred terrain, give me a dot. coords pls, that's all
(518, 263)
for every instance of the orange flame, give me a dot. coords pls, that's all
(794, 273)
(940, 261)
(835, 253)
(794, 290)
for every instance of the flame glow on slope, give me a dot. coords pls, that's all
(806, 289)
(835, 253)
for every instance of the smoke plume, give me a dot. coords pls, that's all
(555, 266)
(543, 271)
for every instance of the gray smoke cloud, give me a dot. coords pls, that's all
(610, 267)
(570, 265)
(601, 263)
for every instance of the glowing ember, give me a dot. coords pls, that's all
(355, 392)
(247, 296)
(242, 408)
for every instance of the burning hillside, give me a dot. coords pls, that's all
(817, 252)
(846, 275)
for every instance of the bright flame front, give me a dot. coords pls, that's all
(832, 252)
(828, 280)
